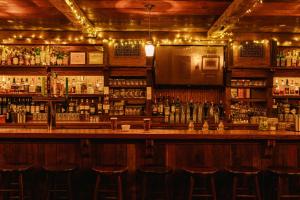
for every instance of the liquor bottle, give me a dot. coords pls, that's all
(160, 106)
(187, 115)
(82, 110)
(200, 113)
(274, 112)
(14, 86)
(294, 58)
(42, 107)
(100, 106)
(167, 110)
(38, 88)
(71, 106)
(31, 86)
(27, 106)
(26, 86)
(172, 111)
(183, 114)
(205, 109)
(73, 87)
(278, 60)
(37, 107)
(287, 87)
(93, 108)
(221, 110)
(106, 105)
(281, 89)
(276, 88)
(288, 59)
(87, 109)
(283, 61)
(177, 110)
(9, 114)
(32, 107)
(292, 88)
(77, 106)
(154, 107)
(191, 110)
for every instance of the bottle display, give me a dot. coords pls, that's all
(33, 56)
(288, 58)
(286, 86)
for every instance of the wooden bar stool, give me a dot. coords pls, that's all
(249, 173)
(201, 172)
(153, 174)
(282, 173)
(59, 181)
(113, 172)
(12, 180)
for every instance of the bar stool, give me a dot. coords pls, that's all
(114, 172)
(152, 174)
(12, 177)
(250, 174)
(201, 172)
(59, 181)
(281, 173)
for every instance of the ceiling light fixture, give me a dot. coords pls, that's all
(149, 47)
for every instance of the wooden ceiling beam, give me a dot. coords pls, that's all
(231, 16)
(73, 12)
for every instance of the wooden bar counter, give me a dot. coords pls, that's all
(134, 148)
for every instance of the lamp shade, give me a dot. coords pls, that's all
(149, 49)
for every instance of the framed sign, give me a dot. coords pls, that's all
(210, 62)
(95, 58)
(77, 58)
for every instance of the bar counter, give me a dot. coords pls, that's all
(177, 149)
(161, 134)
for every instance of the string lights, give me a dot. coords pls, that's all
(81, 19)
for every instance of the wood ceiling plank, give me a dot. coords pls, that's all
(64, 8)
(230, 17)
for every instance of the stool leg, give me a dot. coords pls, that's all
(48, 187)
(120, 188)
(213, 187)
(144, 188)
(69, 177)
(258, 194)
(167, 194)
(192, 183)
(97, 187)
(234, 187)
(279, 184)
(21, 186)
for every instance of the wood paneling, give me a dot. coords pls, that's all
(239, 61)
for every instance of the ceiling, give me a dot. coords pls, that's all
(192, 16)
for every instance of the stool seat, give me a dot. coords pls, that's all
(200, 170)
(285, 170)
(59, 168)
(155, 170)
(110, 170)
(14, 168)
(243, 170)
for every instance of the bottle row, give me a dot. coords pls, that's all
(43, 55)
(127, 82)
(176, 111)
(127, 93)
(288, 58)
(247, 83)
(60, 85)
(286, 86)
(244, 112)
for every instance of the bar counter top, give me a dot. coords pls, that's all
(162, 134)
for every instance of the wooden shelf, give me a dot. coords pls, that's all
(128, 86)
(286, 97)
(20, 95)
(84, 95)
(254, 87)
(248, 100)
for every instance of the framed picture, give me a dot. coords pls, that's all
(210, 62)
(95, 58)
(77, 58)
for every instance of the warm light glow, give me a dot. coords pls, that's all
(149, 49)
